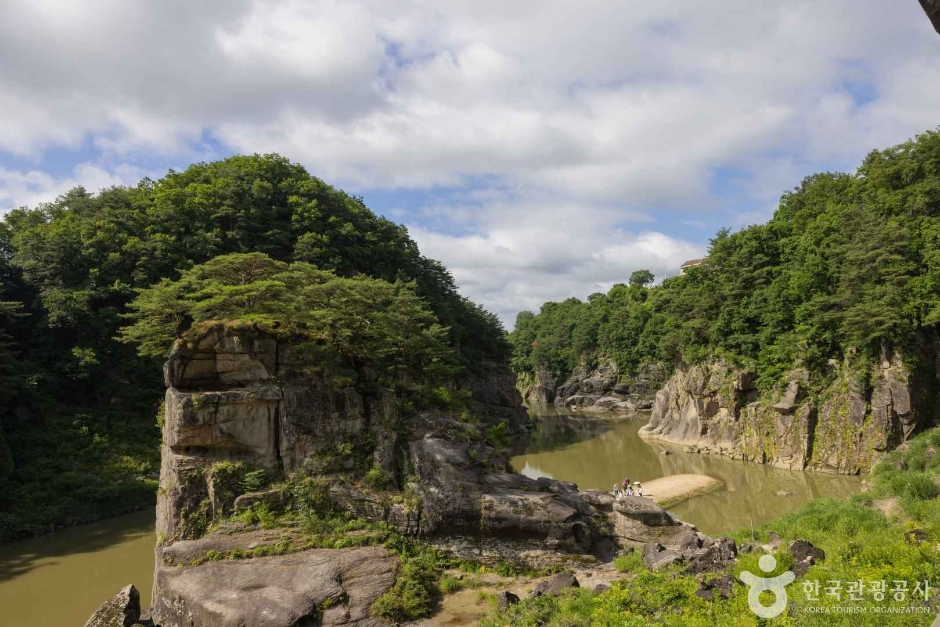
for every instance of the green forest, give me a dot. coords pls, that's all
(848, 264)
(95, 287)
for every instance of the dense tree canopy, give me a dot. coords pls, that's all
(79, 403)
(847, 261)
(341, 322)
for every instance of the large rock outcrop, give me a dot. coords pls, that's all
(600, 389)
(314, 587)
(236, 396)
(842, 427)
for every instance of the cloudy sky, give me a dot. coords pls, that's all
(540, 149)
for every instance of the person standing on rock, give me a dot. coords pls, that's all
(639, 489)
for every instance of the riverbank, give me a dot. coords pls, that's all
(885, 537)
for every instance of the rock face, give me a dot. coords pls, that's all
(121, 610)
(715, 408)
(315, 587)
(603, 388)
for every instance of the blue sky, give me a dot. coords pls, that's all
(540, 149)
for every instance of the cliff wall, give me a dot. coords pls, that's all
(596, 389)
(841, 425)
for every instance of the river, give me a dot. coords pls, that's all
(598, 452)
(60, 578)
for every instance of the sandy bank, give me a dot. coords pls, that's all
(667, 491)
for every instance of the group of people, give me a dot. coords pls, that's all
(628, 489)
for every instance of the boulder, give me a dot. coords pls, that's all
(714, 555)
(687, 540)
(505, 599)
(273, 499)
(121, 610)
(607, 402)
(709, 587)
(643, 510)
(279, 591)
(579, 401)
(656, 556)
(915, 536)
(804, 555)
(555, 586)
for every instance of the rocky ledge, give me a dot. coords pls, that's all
(315, 587)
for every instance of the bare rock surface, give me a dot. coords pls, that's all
(600, 389)
(320, 586)
(121, 610)
(715, 408)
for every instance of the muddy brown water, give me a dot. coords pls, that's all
(598, 451)
(60, 578)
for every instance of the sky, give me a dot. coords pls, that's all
(541, 149)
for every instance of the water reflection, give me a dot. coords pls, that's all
(60, 578)
(597, 452)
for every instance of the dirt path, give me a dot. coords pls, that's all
(674, 489)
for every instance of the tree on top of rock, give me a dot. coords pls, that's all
(336, 321)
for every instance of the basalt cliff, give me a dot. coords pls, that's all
(241, 404)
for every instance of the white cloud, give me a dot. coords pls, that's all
(531, 249)
(29, 188)
(581, 117)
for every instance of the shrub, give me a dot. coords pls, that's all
(407, 600)
(377, 479)
(921, 486)
(498, 436)
(450, 584)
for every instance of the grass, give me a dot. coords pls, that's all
(861, 544)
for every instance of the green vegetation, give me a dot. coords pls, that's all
(77, 405)
(336, 322)
(860, 541)
(849, 262)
